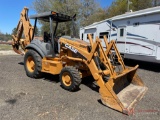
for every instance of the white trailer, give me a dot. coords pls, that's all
(137, 34)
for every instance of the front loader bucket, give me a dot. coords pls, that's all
(123, 91)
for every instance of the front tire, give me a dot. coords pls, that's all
(33, 64)
(70, 78)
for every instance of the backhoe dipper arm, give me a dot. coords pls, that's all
(23, 27)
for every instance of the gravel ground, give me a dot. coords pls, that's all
(24, 98)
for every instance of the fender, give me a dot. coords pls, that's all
(37, 49)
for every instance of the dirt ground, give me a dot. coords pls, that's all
(24, 98)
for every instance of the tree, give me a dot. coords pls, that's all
(99, 15)
(88, 9)
(82, 8)
(68, 7)
(36, 31)
(5, 37)
(140, 4)
(119, 7)
(14, 31)
(1, 33)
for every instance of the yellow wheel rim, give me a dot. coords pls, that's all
(66, 79)
(30, 64)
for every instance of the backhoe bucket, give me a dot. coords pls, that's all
(16, 49)
(123, 91)
(15, 46)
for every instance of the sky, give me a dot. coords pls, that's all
(10, 12)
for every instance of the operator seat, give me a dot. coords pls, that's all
(46, 37)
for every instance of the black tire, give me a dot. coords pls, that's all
(75, 79)
(35, 70)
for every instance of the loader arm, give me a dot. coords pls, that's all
(24, 27)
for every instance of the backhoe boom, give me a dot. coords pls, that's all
(24, 27)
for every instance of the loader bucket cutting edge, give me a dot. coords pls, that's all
(124, 92)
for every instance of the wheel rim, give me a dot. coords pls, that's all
(66, 79)
(30, 64)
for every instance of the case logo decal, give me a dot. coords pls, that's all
(71, 48)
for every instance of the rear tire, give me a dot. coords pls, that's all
(33, 64)
(70, 78)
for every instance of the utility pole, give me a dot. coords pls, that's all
(128, 3)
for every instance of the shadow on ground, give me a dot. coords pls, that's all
(90, 82)
(47, 76)
(51, 78)
(143, 65)
(21, 63)
(87, 81)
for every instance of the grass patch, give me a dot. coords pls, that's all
(5, 47)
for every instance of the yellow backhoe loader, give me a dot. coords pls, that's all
(74, 59)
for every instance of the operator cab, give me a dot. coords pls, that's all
(49, 47)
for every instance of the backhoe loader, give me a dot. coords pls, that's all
(119, 89)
